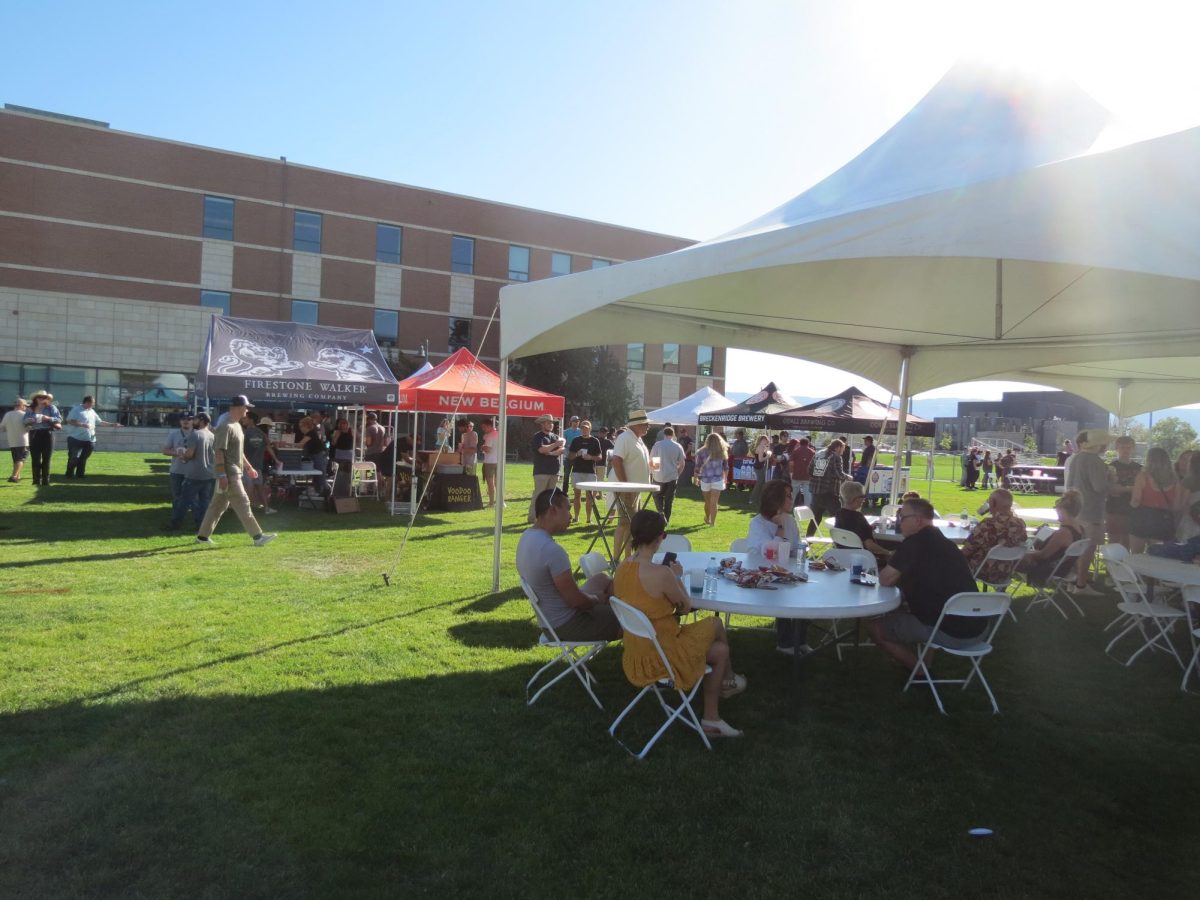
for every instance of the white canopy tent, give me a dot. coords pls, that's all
(986, 233)
(687, 410)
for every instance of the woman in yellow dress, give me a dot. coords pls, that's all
(655, 589)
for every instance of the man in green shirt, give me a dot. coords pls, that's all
(229, 452)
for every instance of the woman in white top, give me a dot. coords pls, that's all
(775, 522)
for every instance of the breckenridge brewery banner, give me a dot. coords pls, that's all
(287, 361)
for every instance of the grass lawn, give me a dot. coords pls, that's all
(235, 721)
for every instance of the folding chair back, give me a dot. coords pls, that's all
(676, 543)
(1004, 561)
(574, 655)
(969, 605)
(1110, 552)
(803, 516)
(739, 545)
(593, 564)
(1145, 617)
(843, 537)
(1191, 606)
(849, 557)
(635, 622)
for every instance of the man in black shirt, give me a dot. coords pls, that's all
(583, 453)
(929, 570)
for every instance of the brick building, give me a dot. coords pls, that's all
(116, 248)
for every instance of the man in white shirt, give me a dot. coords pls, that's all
(630, 463)
(81, 435)
(18, 437)
(672, 459)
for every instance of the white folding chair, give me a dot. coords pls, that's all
(739, 545)
(1191, 605)
(574, 655)
(635, 622)
(676, 543)
(965, 605)
(1111, 553)
(1152, 620)
(889, 510)
(364, 480)
(1002, 570)
(592, 564)
(844, 538)
(1057, 581)
(803, 516)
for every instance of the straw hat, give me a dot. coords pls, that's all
(265, 421)
(1094, 440)
(637, 417)
(545, 418)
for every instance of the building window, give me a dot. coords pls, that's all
(600, 263)
(704, 360)
(306, 232)
(218, 300)
(387, 324)
(462, 255)
(635, 356)
(218, 218)
(671, 358)
(518, 263)
(460, 334)
(304, 312)
(387, 243)
(560, 263)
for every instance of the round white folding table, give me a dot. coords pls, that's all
(956, 533)
(615, 487)
(826, 595)
(1037, 514)
(1161, 569)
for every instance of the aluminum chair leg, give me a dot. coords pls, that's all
(572, 664)
(1191, 667)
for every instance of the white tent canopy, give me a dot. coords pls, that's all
(686, 411)
(982, 234)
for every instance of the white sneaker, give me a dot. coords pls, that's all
(1086, 591)
(206, 542)
(263, 539)
(268, 511)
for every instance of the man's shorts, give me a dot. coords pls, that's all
(577, 477)
(627, 505)
(905, 628)
(18, 453)
(1093, 531)
(710, 486)
(594, 623)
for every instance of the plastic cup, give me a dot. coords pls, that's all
(771, 551)
(696, 582)
(784, 550)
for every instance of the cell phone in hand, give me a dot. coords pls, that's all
(669, 558)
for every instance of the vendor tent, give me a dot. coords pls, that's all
(753, 412)
(290, 362)
(461, 384)
(988, 231)
(850, 412)
(685, 411)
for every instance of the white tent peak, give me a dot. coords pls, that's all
(981, 121)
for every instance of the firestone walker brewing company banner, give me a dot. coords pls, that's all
(291, 362)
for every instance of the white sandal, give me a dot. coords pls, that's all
(719, 728)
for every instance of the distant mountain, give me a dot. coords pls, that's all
(948, 407)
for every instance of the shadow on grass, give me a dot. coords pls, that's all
(94, 557)
(512, 635)
(486, 603)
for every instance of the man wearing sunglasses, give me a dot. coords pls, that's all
(930, 570)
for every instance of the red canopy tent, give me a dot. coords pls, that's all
(462, 375)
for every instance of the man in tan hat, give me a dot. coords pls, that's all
(1088, 474)
(548, 450)
(630, 462)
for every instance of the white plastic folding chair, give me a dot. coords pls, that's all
(803, 516)
(965, 605)
(1056, 583)
(1152, 620)
(844, 538)
(1000, 565)
(592, 564)
(1191, 605)
(739, 545)
(364, 480)
(635, 622)
(676, 543)
(1110, 553)
(574, 655)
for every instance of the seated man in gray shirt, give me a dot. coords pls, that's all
(575, 614)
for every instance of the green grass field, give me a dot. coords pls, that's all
(242, 722)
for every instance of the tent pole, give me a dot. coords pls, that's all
(1121, 406)
(501, 457)
(901, 423)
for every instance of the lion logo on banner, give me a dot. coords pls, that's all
(250, 358)
(347, 365)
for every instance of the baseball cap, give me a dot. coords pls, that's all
(241, 400)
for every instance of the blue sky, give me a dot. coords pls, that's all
(687, 118)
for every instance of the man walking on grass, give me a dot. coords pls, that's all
(230, 463)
